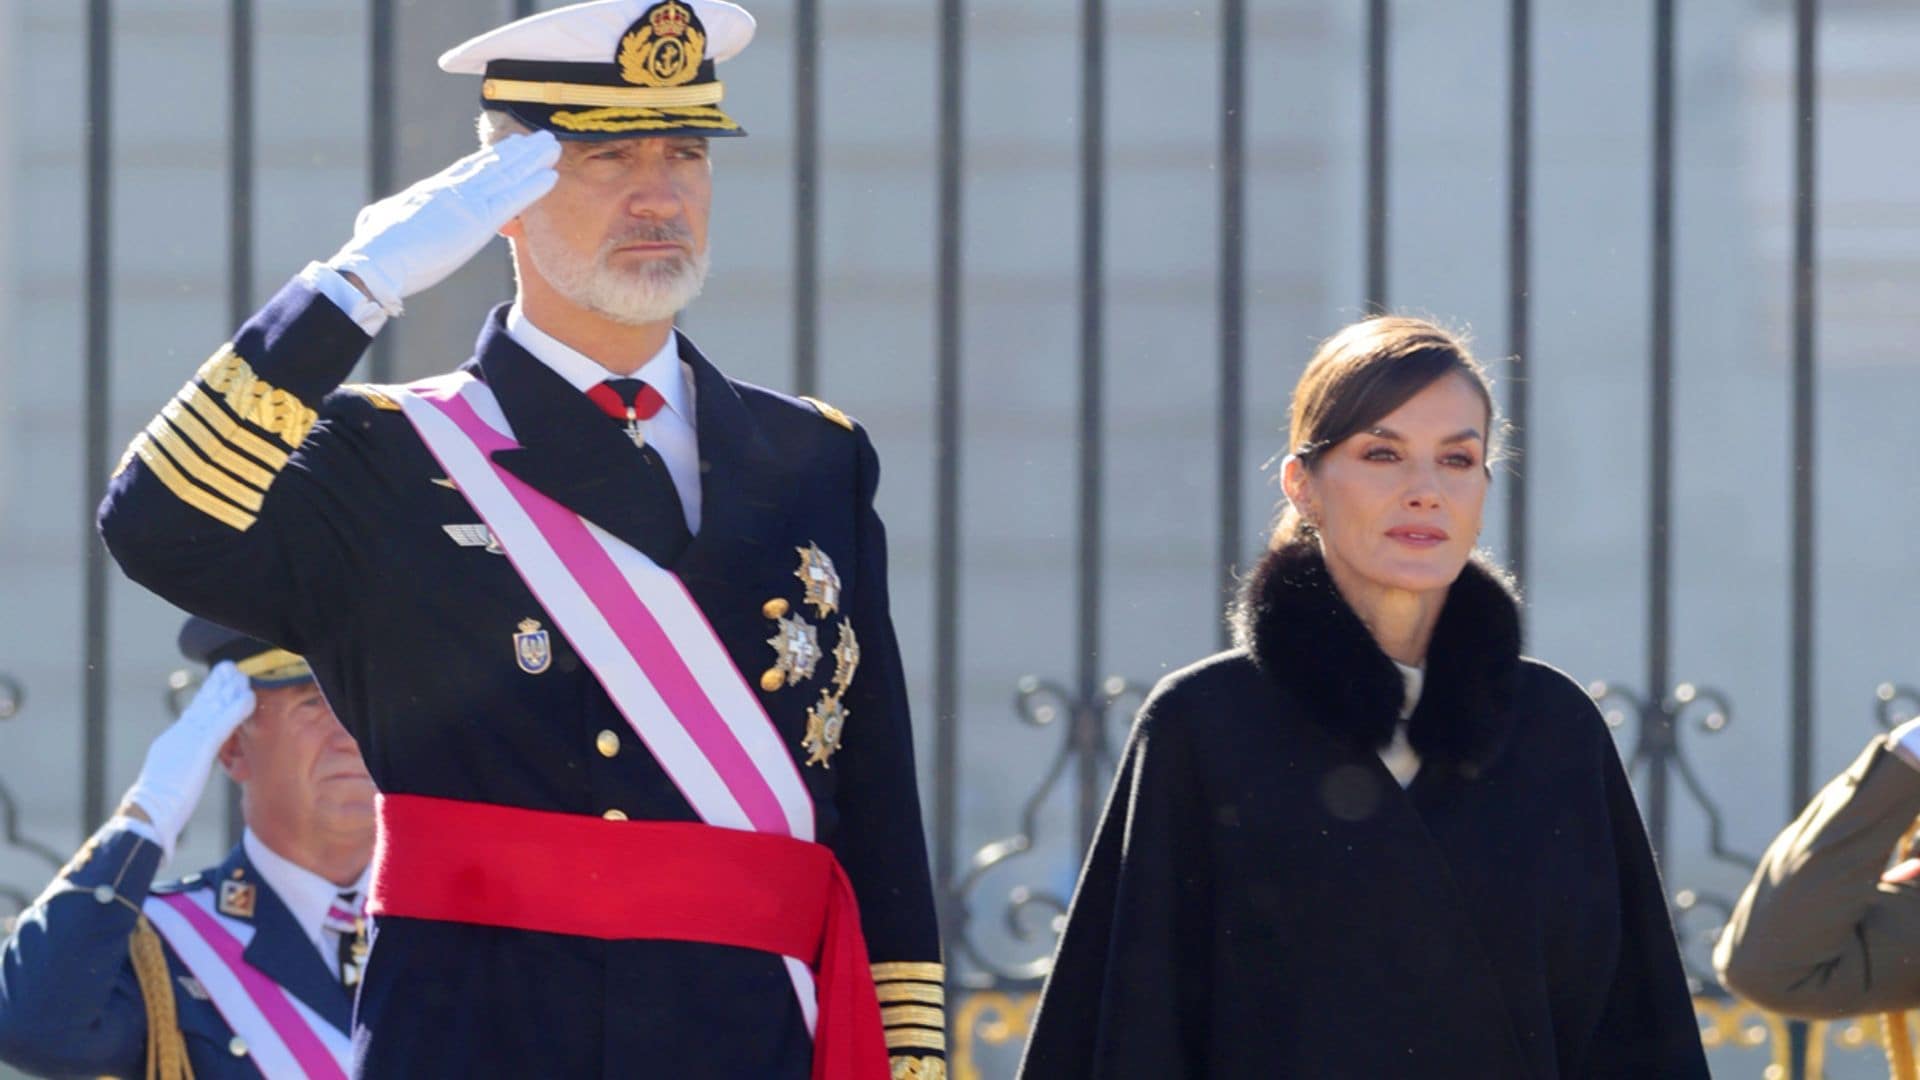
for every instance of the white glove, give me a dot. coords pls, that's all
(180, 760)
(409, 242)
(1905, 741)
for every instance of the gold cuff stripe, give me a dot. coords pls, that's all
(555, 93)
(898, 1015)
(224, 425)
(894, 992)
(916, 1039)
(907, 969)
(199, 467)
(917, 1068)
(217, 450)
(255, 400)
(187, 491)
(629, 119)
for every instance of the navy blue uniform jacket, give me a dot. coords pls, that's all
(69, 1002)
(269, 499)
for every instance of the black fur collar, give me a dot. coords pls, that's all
(1299, 631)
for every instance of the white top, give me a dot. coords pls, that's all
(671, 431)
(1398, 755)
(306, 894)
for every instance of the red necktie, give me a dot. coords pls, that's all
(629, 400)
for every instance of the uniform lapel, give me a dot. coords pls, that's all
(745, 488)
(281, 950)
(569, 450)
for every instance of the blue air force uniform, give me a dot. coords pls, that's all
(314, 517)
(71, 1002)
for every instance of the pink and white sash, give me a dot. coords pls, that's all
(286, 1037)
(635, 626)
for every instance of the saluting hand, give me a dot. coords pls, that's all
(409, 242)
(181, 758)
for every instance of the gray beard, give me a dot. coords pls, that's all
(656, 291)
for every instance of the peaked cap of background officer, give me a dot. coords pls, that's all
(207, 642)
(611, 69)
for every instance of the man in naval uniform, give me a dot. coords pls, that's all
(611, 628)
(244, 969)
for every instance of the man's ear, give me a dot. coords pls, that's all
(233, 760)
(513, 230)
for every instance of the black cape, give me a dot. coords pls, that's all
(1262, 898)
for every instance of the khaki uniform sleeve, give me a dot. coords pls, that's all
(1818, 933)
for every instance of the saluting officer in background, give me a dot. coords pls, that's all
(646, 780)
(244, 969)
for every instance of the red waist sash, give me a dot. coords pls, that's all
(491, 865)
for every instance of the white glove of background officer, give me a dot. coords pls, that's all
(180, 760)
(409, 242)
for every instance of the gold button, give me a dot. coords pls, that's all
(237, 1046)
(607, 743)
(772, 679)
(774, 608)
(614, 815)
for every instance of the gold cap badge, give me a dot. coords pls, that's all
(665, 49)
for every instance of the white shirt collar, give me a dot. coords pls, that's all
(1415, 680)
(306, 894)
(663, 372)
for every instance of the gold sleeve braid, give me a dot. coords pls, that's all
(919, 1068)
(166, 1046)
(913, 1012)
(218, 445)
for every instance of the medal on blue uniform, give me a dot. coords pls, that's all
(826, 723)
(846, 657)
(820, 579)
(532, 647)
(474, 536)
(237, 899)
(796, 646)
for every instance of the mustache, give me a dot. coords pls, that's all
(651, 233)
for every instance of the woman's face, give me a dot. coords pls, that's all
(1398, 506)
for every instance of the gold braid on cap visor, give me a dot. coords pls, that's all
(273, 665)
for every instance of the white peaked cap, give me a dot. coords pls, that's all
(590, 33)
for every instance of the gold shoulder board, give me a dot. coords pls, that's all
(376, 395)
(829, 412)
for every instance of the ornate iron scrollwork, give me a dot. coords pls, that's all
(13, 698)
(1657, 753)
(1034, 914)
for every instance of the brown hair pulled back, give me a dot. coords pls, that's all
(1362, 373)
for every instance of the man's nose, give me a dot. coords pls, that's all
(652, 192)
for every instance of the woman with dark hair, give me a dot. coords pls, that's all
(1372, 840)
